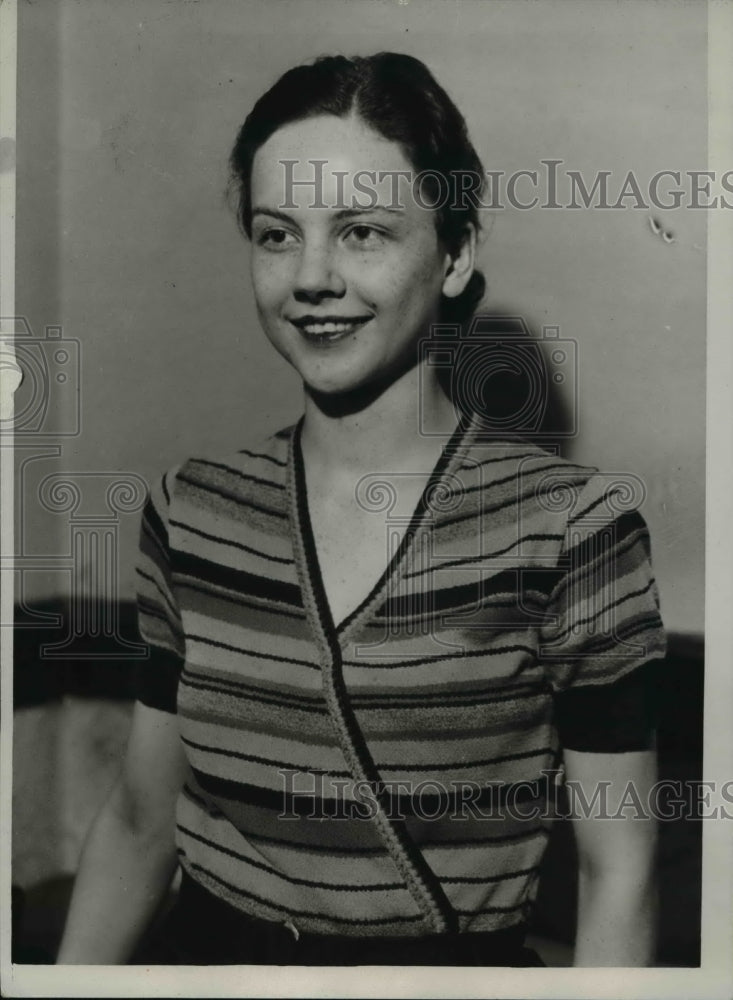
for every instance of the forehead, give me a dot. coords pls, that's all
(349, 148)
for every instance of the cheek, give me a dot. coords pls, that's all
(408, 274)
(270, 280)
(413, 286)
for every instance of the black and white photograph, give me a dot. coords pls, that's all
(365, 564)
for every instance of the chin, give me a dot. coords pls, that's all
(334, 387)
(340, 396)
(337, 379)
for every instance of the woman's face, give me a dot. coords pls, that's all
(343, 293)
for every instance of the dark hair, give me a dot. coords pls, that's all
(400, 99)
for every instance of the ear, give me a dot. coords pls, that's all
(460, 267)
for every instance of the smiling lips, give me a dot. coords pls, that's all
(328, 329)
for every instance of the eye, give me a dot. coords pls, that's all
(275, 238)
(363, 235)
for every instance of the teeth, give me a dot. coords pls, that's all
(319, 328)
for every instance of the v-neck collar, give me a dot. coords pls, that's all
(306, 553)
(420, 880)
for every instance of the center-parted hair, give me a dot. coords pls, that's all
(398, 97)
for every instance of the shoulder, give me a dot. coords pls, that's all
(263, 459)
(521, 482)
(523, 470)
(260, 465)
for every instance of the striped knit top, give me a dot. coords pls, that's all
(392, 775)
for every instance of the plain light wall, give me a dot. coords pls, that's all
(127, 113)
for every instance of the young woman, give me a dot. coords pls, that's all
(376, 635)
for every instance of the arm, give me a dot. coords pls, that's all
(129, 856)
(616, 861)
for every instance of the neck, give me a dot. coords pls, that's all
(379, 425)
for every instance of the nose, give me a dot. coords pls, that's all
(318, 276)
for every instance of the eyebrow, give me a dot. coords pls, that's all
(343, 213)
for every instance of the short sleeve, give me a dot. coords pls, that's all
(603, 640)
(159, 620)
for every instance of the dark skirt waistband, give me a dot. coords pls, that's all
(202, 929)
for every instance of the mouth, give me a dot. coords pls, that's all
(322, 330)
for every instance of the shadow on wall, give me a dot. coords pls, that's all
(520, 385)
